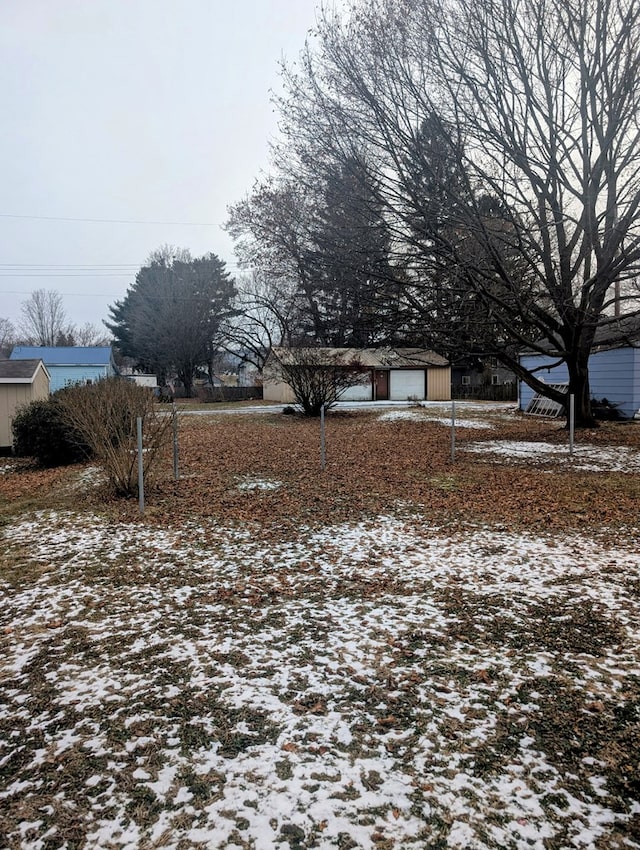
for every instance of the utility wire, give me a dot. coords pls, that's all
(69, 265)
(44, 267)
(111, 220)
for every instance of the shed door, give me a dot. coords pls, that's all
(382, 385)
(407, 383)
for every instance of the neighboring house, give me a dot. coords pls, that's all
(391, 374)
(143, 380)
(69, 365)
(21, 381)
(482, 377)
(614, 367)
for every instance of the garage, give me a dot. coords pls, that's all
(388, 374)
(407, 383)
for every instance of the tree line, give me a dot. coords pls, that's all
(44, 322)
(455, 175)
(459, 175)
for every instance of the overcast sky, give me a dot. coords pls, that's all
(145, 110)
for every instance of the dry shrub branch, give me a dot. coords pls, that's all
(106, 414)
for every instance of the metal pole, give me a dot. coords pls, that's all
(572, 421)
(453, 431)
(323, 454)
(176, 474)
(140, 467)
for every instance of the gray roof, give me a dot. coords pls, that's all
(19, 370)
(618, 332)
(612, 332)
(374, 358)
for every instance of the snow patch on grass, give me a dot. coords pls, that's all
(379, 684)
(586, 458)
(259, 484)
(419, 415)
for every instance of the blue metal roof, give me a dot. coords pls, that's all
(64, 355)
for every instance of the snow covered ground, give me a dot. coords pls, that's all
(379, 685)
(585, 458)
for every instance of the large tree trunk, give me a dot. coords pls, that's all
(579, 388)
(186, 376)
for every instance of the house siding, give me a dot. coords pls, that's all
(439, 384)
(613, 374)
(278, 391)
(13, 396)
(64, 376)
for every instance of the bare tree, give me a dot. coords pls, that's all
(7, 337)
(537, 102)
(326, 241)
(44, 320)
(90, 335)
(264, 318)
(318, 376)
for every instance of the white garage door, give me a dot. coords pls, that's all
(406, 383)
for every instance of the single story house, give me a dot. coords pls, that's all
(614, 367)
(69, 365)
(389, 374)
(21, 381)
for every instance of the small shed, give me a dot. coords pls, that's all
(69, 365)
(21, 381)
(614, 366)
(390, 374)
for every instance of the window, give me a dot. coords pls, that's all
(495, 380)
(466, 380)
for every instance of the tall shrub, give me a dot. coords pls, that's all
(41, 431)
(105, 414)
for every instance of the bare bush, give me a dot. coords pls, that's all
(105, 414)
(319, 376)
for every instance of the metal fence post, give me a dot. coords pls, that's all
(140, 467)
(572, 421)
(323, 454)
(453, 431)
(176, 474)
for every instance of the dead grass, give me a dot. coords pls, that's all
(371, 465)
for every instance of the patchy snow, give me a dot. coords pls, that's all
(420, 415)
(394, 415)
(382, 684)
(252, 483)
(586, 458)
(88, 477)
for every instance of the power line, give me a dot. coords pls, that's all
(43, 268)
(111, 220)
(69, 265)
